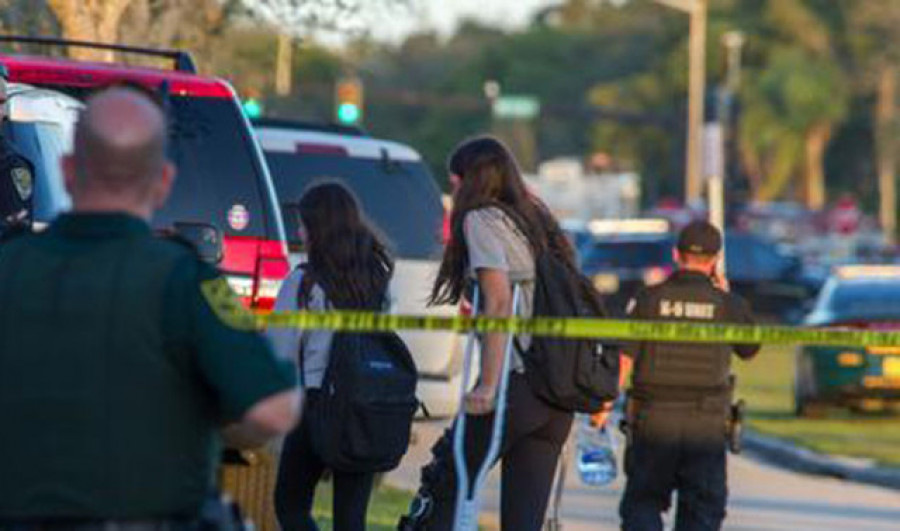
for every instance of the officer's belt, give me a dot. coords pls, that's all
(677, 393)
(717, 403)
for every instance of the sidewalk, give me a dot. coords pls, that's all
(761, 496)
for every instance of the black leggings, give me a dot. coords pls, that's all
(534, 434)
(299, 471)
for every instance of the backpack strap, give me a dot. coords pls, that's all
(304, 293)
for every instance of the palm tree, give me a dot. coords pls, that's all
(874, 43)
(792, 102)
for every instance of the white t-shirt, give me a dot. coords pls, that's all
(495, 242)
(286, 341)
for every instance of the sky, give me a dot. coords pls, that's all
(445, 15)
(393, 20)
(393, 24)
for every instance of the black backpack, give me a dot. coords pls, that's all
(570, 374)
(362, 418)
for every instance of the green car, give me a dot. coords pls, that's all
(854, 297)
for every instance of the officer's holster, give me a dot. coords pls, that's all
(734, 425)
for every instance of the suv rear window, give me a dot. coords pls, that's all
(217, 178)
(628, 255)
(399, 197)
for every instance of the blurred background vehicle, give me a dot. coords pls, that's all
(857, 297)
(624, 255)
(772, 279)
(398, 193)
(571, 192)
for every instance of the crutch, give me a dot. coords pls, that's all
(554, 521)
(468, 500)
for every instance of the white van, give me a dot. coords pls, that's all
(400, 197)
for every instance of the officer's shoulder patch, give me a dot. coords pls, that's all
(226, 305)
(22, 179)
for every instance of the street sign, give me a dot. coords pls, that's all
(521, 107)
(713, 150)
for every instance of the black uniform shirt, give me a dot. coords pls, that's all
(16, 186)
(668, 368)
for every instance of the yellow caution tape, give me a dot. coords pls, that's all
(353, 321)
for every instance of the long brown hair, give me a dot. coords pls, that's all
(345, 256)
(490, 177)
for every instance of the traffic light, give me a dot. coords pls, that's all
(349, 101)
(252, 108)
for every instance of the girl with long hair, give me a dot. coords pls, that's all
(347, 268)
(497, 230)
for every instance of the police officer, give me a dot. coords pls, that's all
(679, 403)
(122, 355)
(16, 174)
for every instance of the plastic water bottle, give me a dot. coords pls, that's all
(595, 454)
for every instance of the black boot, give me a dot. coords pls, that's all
(419, 511)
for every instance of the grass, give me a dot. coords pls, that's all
(385, 508)
(766, 384)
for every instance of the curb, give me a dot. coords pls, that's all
(785, 454)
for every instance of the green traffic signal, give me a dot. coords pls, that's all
(348, 113)
(252, 108)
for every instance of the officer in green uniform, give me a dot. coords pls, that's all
(680, 400)
(16, 175)
(122, 355)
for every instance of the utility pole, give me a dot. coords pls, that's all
(720, 133)
(696, 97)
(283, 63)
(887, 159)
(696, 87)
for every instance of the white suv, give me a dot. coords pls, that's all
(399, 195)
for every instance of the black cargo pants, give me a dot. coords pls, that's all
(533, 437)
(676, 447)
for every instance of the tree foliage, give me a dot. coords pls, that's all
(816, 102)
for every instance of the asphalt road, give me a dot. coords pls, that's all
(762, 497)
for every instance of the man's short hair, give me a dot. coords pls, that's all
(120, 139)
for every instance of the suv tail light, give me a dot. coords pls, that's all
(272, 268)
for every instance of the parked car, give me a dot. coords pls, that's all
(624, 255)
(399, 195)
(773, 282)
(222, 187)
(859, 297)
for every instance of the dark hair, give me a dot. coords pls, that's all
(489, 176)
(345, 256)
